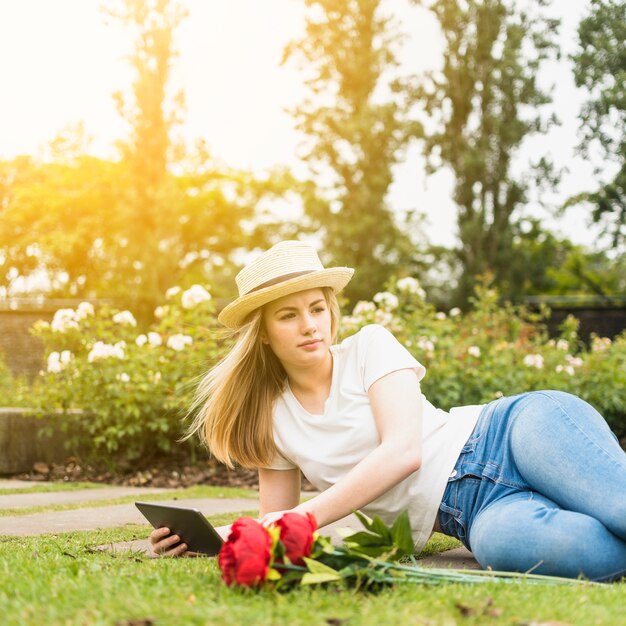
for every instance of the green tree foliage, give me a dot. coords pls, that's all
(356, 123)
(600, 67)
(151, 115)
(130, 229)
(481, 106)
(70, 220)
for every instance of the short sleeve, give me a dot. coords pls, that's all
(279, 462)
(381, 353)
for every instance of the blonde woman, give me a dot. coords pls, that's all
(529, 482)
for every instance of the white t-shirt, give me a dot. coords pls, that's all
(326, 447)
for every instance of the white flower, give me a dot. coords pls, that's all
(154, 339)
(411, 285)
(123, 377)
(141, 340)
(474, 351)
(101, 350)
(498, 394)
(386, 300)
(574, 361)
(384, 318)
(178, 342)
(125, 318)
(454, 312)
(568, 369)
(440, 315)
(363, 307)
(600, 344)
(562, 344)
(160, 312)
(534, 360)
(193, 296)
(63, 320)
(425, 344)
(171, 292)
(54, 363)
(84, 310)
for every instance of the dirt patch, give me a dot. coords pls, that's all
(166, 472)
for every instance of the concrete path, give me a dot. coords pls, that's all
(24, 500)
(16, 484)
(108, 516)
(92, 518)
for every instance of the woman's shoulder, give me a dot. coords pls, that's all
(363, 337)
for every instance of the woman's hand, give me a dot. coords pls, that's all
(163, 543)
(270, 518)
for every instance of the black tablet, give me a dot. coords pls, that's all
(189, 524)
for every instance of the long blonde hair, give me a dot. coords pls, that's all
(234, 401)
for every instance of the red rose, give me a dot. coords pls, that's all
(245, 556)
(296, 533)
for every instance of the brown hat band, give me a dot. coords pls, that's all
(277, 280)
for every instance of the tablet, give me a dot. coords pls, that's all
(189, 524)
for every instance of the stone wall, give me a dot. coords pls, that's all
(26, 439)
(22, 352)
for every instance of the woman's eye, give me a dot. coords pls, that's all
(319, 309)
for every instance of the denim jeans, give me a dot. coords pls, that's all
(540, 486)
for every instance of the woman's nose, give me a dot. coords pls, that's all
(308, 323)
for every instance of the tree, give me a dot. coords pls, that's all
(480, 107)
(151, 115)
(356, 122)
(69, 220)
(129, 229)
(600, 67)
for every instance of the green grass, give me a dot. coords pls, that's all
(63, 580)
(51, 487)
(190, 492)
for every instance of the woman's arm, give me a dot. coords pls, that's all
(396, 404)
(279, 490)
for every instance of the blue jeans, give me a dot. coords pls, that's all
(540, 486)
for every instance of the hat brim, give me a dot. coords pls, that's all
(234, 314)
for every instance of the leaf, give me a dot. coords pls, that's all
(273, 574)
(363, 538)
(316, 579)
(345, 532)
(401, 534)
(315, 567)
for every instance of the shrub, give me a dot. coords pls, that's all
(496, 349)
(133, 387)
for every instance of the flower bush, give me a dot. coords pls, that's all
(496, 349)
(133, 387)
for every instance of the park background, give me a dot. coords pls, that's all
(466, 157)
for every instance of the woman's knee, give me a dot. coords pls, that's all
(532, 534)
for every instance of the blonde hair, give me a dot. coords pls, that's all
(234, 401)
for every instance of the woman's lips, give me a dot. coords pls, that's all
(310, 345)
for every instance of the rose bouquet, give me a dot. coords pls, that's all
(290, 552)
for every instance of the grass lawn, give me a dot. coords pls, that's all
(63, 580)
(198, 491)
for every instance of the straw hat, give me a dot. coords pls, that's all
(286, 268)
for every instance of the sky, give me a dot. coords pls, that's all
(60, 61)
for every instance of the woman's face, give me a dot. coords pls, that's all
(297, 328)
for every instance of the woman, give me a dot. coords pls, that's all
(530, 482)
